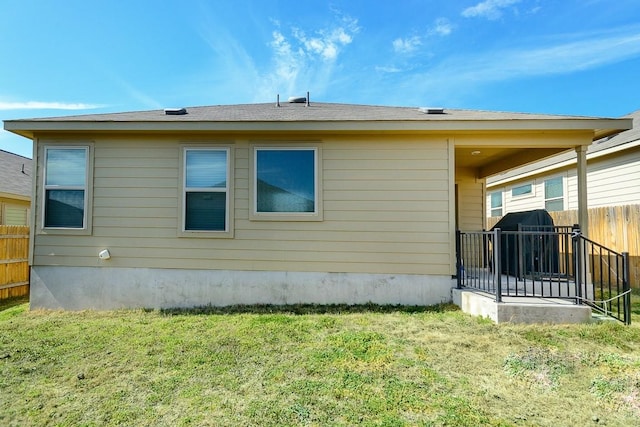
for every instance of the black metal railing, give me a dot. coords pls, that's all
(546, 262)
(604, 274)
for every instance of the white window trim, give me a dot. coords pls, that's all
(317, 215)
(88, 190)
(228, 232)
(532, 193)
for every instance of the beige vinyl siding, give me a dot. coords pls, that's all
(471, 193)
(385, 211)
(614, 180)
(611, 181)
(537, 199)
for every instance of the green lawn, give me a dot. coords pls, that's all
(324, 366)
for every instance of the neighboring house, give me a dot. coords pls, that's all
(15, 189)
(613, 178)
(270, 203)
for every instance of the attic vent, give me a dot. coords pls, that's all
(297, 99)
(432, 110)
(175, 111)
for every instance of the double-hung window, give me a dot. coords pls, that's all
(554, 194)
(206, 198)
(286, 183)
(496, 203)
(65, 187)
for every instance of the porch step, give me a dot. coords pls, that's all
(519, 309)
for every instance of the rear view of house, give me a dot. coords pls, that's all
(270, 203)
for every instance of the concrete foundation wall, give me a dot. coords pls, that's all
(104, 288)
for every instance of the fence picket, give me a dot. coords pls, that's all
(14, 261)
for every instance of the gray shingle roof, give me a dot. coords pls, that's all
(317, 117)
(12, 179)
(300, 112)
(623, 137)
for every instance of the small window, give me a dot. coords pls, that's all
(522, 190)
(65, 187)
(206, 189)
(496, 203)
(285, 183)
(554, 194)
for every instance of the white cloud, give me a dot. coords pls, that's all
(581, 52)
(590, 52)
(327, 43)
(388, 69)
(490, 9)
(303, 60)
(443, 27)
(286, 61)
(407, 45)
(38, 105)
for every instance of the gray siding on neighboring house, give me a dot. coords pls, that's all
(15, 189)
(613, 175)
(614, 180)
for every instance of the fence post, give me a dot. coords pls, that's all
(497, 262)
(626, 288)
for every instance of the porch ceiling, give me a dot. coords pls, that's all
(488, 161)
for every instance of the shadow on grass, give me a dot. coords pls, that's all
(302, 309)
(8, 303)
(635, 301)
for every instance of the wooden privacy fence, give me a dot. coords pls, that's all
(14, 261)
(616, 227)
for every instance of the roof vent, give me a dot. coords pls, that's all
(297, 99)
(432, 110)
(175, 111)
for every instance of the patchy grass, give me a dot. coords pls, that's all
(311, 365)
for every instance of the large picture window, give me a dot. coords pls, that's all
(286, 181)
(206, 189)
(65, 187)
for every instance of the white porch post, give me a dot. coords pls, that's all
(583, 218)
(583, 214)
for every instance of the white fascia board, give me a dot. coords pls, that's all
(28, 127)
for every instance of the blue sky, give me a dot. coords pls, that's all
(578, 57)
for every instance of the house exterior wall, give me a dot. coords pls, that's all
(612, 180)
(385, 211)
(386, 219)
(470, 200)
